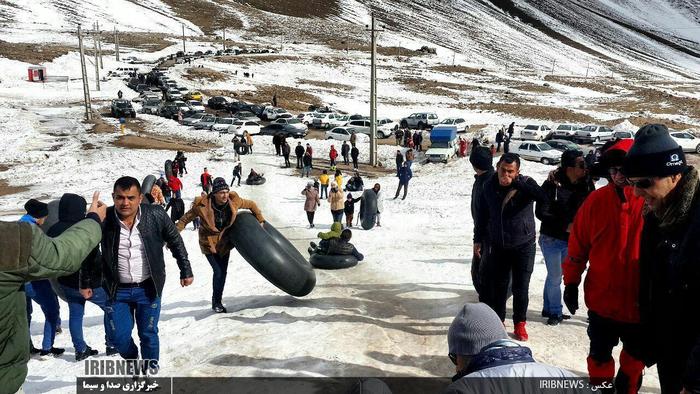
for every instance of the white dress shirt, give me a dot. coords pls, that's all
(133, 267)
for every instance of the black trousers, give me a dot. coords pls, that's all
(234, 180)
(606, 333)
(278, 149)
(286, 161)
(354, 162)
(346, 160)
(405, 190)
(299, 161)
(310, 217)
(518, 262)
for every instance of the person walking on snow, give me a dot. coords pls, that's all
(175, 185)
(217, 213)
(335, 199)
(181, 162)
(162, 183)
(355, 154)
(349, 209)
(299, 152)
(237, 171)
(307, 161)
(499, 139)
(399, 161)
(332, 155)
(312, 201)
(286, 150)
(345, 152)
(405, 175)
(482, 163)
(324, 180)
(206, 180)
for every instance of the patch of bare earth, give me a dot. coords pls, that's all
(647, 100)
(584, 83)
(33, 53)
(256, 59)
(301, 9)
(99, 125)
(642, 120)
(153, 141)
(6, 190)
(326, 85)
(291, 99)
(457, 69)
(150, 42)
(203, 73)
(532, 111)
(208, 15)
(438, 88)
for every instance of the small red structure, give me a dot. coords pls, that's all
(36, 73)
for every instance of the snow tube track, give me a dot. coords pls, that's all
(332, 261)
(272, 255)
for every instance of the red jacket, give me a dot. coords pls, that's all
(174, 183)
(333, 154)
(606, 232)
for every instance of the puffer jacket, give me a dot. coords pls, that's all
(477, 189)
(337, 200)
(156, 229)
(312, 200)
(211, 240)
(336, 228)
(563, 200)
(27, 255)
(339, 181)
(340, 246)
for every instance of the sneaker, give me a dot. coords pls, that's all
(32, 350)
(53, 352)
(313, 244)
(554, 320)
(111, 351)
(565, 317)
(520, 333)
(80, 356)
(218, 308)
(311, 250)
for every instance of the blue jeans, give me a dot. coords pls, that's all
(554, 251)
(76, 308)
(337, 215)
(324, 191)
(178, 194)
(306, 170)
(41, 292)
(219, 264)
(139, 305)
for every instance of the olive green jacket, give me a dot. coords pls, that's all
(27, 254)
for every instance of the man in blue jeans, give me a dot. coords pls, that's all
(84, 284)
(134, 269)
(566, 188)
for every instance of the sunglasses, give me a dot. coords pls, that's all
(643, 183)
(453, 358)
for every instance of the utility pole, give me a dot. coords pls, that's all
(373, 97)
(97, 62)
(588, 67)
(183, 38)
(554, 63)
(99, 44)
(86, 88)
(116, 42)
(224, 40)
(454, 54)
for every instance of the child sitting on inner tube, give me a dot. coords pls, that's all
(254, 176)
(338, 246)
(336, 228)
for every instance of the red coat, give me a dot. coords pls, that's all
(606, 233)
(174, 183)
(333, 154)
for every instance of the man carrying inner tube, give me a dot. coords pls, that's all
(217, 212)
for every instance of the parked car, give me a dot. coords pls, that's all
(217, 102)
(386, 127)
(272, 113)
(420, 120)
(235, 106)
(196, 105)
(687, 141)
(122, 109)
(205, 123)
(246, 115)
(173, 94)
(222, 124)
(537, 151)
(306, 118)
(460, 123)
(194, 118)
(182, 106)
(357, 117)
(592, 133)
(150, 106)
(141, 87)
(338, 121)
(565, 131)
(344, 134)
(240, 126)
(535, 132)
(322, 120)
(169, 110)
(294, 122)
(563, 145)
(195, 95)
(623, 135)
(285, 129)
(360, 126)
(254, 108)
(285, 115)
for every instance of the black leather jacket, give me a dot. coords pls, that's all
(156, 229)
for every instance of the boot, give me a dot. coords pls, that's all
(80, 356)
(313, 244)
(111, 351)
(520, 332)
(629, 377)
(601, 372)
(218, 308)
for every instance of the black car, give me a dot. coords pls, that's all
(217, 102)
(563, 145)
(141, 87)
(169, 110)
(284, 129)
(122, 109)
(254, 108)
(234, 106)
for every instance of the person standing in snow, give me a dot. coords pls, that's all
(286, 150)
(133, 269)
(499, 139)
(566, 189)
(178, 208)
(206, 180)
(399, 161)
(506, 144)
(324, 180)
(175, 185)
(217, 213)
(335, 199)
(506, 219)
(339, 179)
(181, 161)
(399, 136)
(610, 219)
(277, 141)
(237, 171)
(312, 201)
(349, 209)
(669, 256)
(162, 183)
(306, 160)
(332, 155)
(410, 157)
(377, 189)
(248, 141)
(309, 150)
(299, 152)
(345, 152)
(405, 175)
(353, 138)
(511, 130)
(355, 154)
(482, 162)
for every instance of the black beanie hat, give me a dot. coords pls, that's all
(218, 185)
(654, 153)
(36, 209)
(481, 158)
(568, 158)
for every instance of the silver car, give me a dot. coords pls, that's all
(151, 106)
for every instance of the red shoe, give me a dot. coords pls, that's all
(520, 332)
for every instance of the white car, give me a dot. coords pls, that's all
(460, 123)
(322, 120)
(173, 94)
(565, 131)
(537, 151)
(240, 126)
(196, 106)
(222, 124)
(339, 121)
(344, 134)
(386, 127)
(592, 134)
(535, 132)
(306, 118)
(294, 122)
(687, 141)
(193, 119)
(181, 105)
(272, 113)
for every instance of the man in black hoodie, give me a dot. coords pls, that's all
(83, 285)
(507, 220)
(299, 152)
(481, 160)
(566, 189)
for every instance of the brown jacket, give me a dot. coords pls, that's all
(410, 155)
(337, 201)
(210, 238)
(312, 200)
(249, 140)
